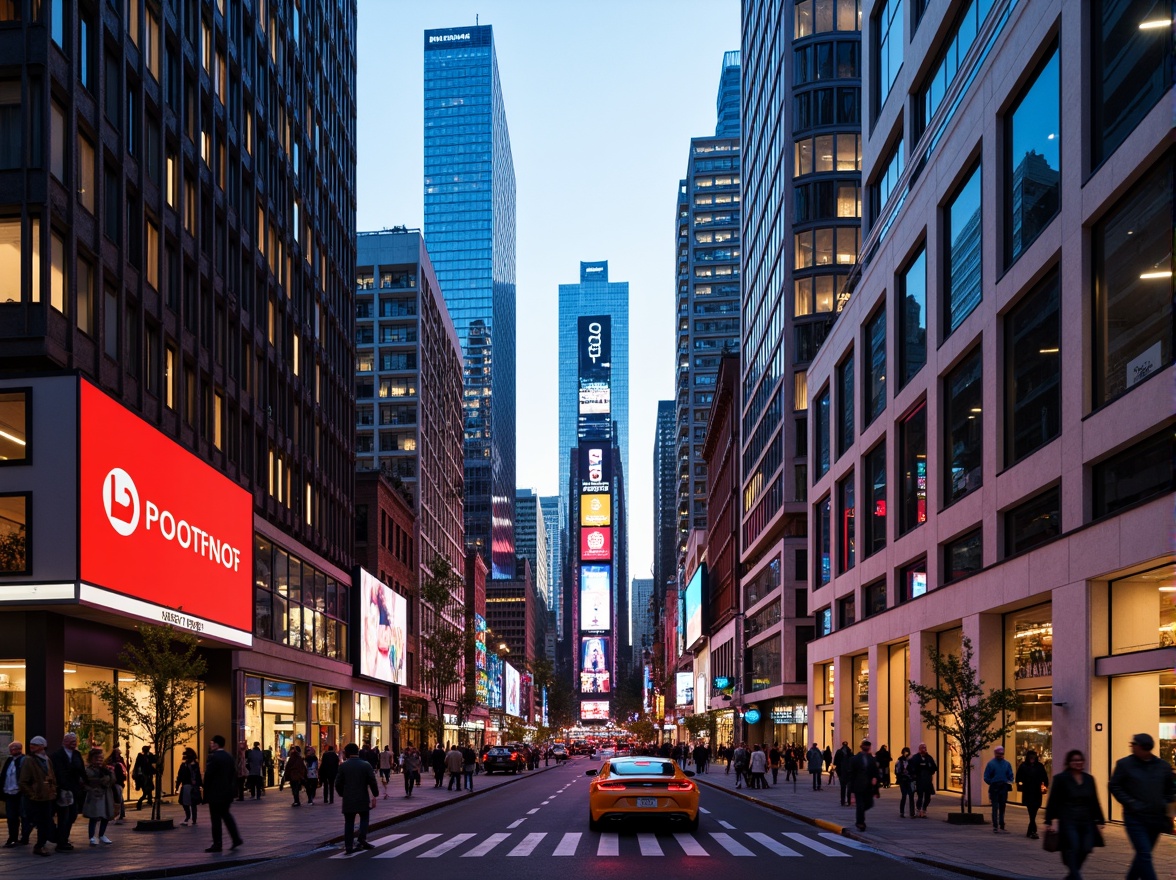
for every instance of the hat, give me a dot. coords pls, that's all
(1144, 741)
(999, 750)
(38, 741)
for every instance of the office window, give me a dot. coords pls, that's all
(1133, 321)
(112, 204)
(821, 429)
(884, 186)
(887, 33)
(15, 543)
(14, 419)
(1032, 160)
(873, 598)
(57, 23)
(962, 290)
(845, 402)
(963, 556)
(170, 377)
(963, 428)
(12, 130)
(800, 391)
(1034, 522)
(823, 524)
(1135, 474)
(1131, 70)
(846, 611)
(58, 274)
(874, 478)
(86, 49)
(874, 365)
(1033, 398)
(10, 259)
(57, 152)
(86, 279)
(912, 581)
(87, 171)
(824, 621)
(151, 243)
(912, 319)
(110, 323)
(912, 470)
(847, 526)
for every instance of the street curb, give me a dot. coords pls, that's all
(217, 865)
(966, 870)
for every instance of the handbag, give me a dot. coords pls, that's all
(1051, 841)
(65, 798)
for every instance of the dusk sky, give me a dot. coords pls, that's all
(602, 99)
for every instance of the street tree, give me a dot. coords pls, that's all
(958, 706)
(444, 643)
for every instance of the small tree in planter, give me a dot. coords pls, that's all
(167, 669)
(958, 707)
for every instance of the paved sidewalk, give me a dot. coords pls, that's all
(971, 850)
(271, 828)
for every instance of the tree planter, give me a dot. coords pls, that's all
(155, 825)
(966, 819)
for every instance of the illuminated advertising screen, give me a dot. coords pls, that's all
(383, 615)
(595, 598)
(694, 602)
(594, 419)
(595, 544)
(594, 665)
(164, 537)
(647, 688)
(481, 679)
(494, 672)
(595, 510)
(594, 710)
(510, 683)
(595, 469)
(684, 688)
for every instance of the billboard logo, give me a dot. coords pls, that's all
(121, 500)
(595, 456)
(595, 540)
(594, 340)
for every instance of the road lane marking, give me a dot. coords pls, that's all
(845, 841)
(485, 846)
(704, 810)
(545, 803)
(816, 845)
(727, 825)
(405, 847)
(517, 822)
(649, 845)
(567, 846)
(610, 845)
(528, 845)
(690, 846)
(532, 812)
(772, 844)
(441, 849)
(730, 844)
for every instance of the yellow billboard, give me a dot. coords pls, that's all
(595, 510)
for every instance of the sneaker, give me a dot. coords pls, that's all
(363, 844)
(214, 849)
(106, 840)
(93, 841)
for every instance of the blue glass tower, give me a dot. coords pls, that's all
(470, 233)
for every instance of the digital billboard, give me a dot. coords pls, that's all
(494, 672)
(694, 603)
(383, 615)
(684, 688)
(595, 510)
(595, 469)
(595, 655)
(481, 679)
(595, 544)
(594, 710)
(595, 597)
(510, 684)
(594, 419)
(164, 536)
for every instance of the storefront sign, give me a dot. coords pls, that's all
(160, 526)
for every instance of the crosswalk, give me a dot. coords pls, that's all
(751, 844)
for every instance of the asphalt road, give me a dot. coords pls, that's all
(540, 825)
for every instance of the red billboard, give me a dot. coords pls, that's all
(596, 544)
(160, 526)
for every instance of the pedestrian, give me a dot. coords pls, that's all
(295, 774)
(412, 769)
(254, 767)
(740, 758)
(923, 768)
(864, 778)
(884, 759)
(38, 788)
(841, 762)
(99, 806)
(386, 768)
(791, 763)
(906, 783)
(828, 757)
(1144, 785)
(143, 775)
(469, 763)
(1074, 807)
(312, 775)
(188, 784)
(328, 771)
(454, 761)
(757, 767)
(13, 808)
(356, 779)
(220, 783)
(998, 776)
(119, 768)
(269, 768)
(70, 770)
(242, 759)
(1032, 782)
(370, 755)
(815, 758)
(774, 762)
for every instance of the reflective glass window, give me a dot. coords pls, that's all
(912, 470)
(821, 429)
(874, 366)
(963, 428)
(1033, 400)
(912, 318)
(963, 556)
(845, 402)
(847, 524)
(1032, 161)
(962, 286)
(874, 488)
(1033, 522)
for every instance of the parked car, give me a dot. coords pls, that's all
(504, 759)
(642, 788)
(560, 752)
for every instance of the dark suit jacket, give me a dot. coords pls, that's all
(70, 772)
(356, 778)
(220, 777)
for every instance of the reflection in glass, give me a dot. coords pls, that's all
(1144, 610)
(821, 428)
(1033, 160)
(963, 257)
(14, 534)
(845, 403)
(1033, 372)
(847, 540)
(912, 470)
(874, 382)
(824, 560)
(963, 556)
(874, 523)
(912, 581)
(912, 317)
(1036, 521)
(964, 428)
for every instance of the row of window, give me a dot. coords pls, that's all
(295, 604)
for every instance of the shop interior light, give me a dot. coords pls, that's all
(20, 442)
(1048, 350)
(1154, 24)
(12, 666)
(1145, 276)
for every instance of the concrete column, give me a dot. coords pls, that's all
(44, 656)
(923, 673)
(986, 632)
(875, 664)
(843, 689)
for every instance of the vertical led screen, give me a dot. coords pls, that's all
(494, 672)
(594, 710)
(595, 598)
(595, 677)
(481, 679)
(684, 687)
(595, 510)
(595, 544)
(511, 686)
(694, 603)
(383, 615)
(594, 420)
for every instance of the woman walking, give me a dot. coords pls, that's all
(188, 783)
(119, 768)
(412, 769)
(99, 807)
(312, 774)
(386, 762)
(1032, 782)
(295, 774)
(1074, 807)
(906, 785)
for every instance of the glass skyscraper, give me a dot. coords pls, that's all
(470, 233)
(553, 521)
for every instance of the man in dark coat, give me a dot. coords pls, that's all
(815, 759)
(1144, 785)
(437, 763)
(355, 781)
(841, 764)
(328, 770)
(923, 768)
(143, 775)
(864, 777)
(70, 770)
(220, 787)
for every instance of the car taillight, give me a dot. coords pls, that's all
(610, 786)
(680, 786)
(514, 756)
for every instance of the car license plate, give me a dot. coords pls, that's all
(647, 802)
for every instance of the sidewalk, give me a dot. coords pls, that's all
(270, 827)
(972, 850)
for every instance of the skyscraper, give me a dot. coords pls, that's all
(665, 494)
(727, 102)
(642, 616)
(531, 539)
(470, 231)
(553, 521)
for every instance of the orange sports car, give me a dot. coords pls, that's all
(640, 787)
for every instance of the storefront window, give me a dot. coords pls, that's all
(827, 679)
(1144, 703)
(325, 717)
(861, 699)
(898, 716)
(1029, 665)
(1143, 610)
(951, 767)
(369, 720)
(275, 716)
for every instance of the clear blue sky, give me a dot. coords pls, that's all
(602, 99)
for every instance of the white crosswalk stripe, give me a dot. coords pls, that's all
(528, 845)
(567, 846)
(376, 843)
(690, 846)
(610, 845)
(816, 845)
(771, 843)
(485, 846)
(649, 845)
(405, 847)
(441, 849)
(846, 841)
(730, 844)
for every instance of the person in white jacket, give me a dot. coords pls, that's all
(758, 767)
